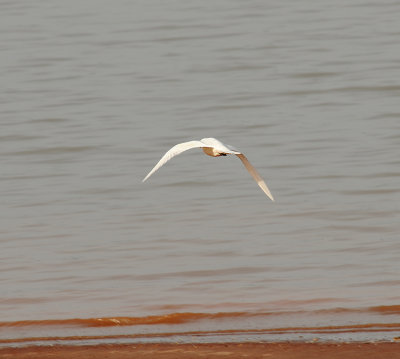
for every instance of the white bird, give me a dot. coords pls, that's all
(211, 147)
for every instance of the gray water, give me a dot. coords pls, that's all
(94, 92)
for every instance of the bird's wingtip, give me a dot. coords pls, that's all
(269, 195)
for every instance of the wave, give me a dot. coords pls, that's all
(188, 317)
(322, 330)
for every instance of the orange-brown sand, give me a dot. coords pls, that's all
(383, 350)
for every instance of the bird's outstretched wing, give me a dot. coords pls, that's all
(174, 151)
(255, 175)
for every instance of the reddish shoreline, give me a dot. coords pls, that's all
(286, 350)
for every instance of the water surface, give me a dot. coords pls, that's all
(93, 95)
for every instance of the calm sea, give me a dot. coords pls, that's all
(92, 95)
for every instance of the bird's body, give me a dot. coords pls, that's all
(212, 147)
(209, 151)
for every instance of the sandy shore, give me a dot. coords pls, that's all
(223, 350)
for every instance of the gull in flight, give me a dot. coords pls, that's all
(212, 147)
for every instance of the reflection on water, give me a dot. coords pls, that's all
(92, 95)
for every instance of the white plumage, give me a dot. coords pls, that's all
(212, 147)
